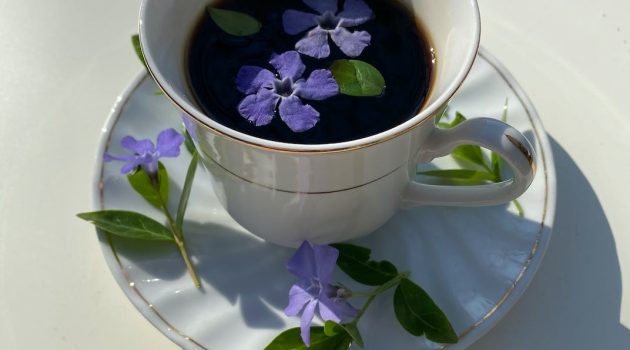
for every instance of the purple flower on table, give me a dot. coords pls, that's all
(329, 22)
(145, 153)
(314, 265)
(266, 91)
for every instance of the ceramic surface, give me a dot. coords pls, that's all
(475, 262)
(288, 193)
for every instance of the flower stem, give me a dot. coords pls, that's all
(176, 224)
(381, 289)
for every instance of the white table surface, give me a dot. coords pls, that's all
(63, 62)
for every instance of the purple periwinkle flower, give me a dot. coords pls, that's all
(329, 22)
(265, 91)
(314, 265)
(146, 154)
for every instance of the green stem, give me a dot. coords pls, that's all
(519, 208)
(179, 240)
(384, 287)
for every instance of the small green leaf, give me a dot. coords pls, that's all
(152, 192)
(183, 199)
(332, 328)
(519, 208)
(234, 23)
(504, 114)
(470, 153)
(418, 314)
(355, 262)
(128, 224)
(291, 340)
(135, 41)
(495, 159)
(460, 174)
(352, 330)
(188, 142)
(459, 118)
(357, 78)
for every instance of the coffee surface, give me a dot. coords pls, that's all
(398, 49)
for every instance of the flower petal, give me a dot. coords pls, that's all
(322, 6)
(352, 44)
(137, 146)
(168, 143)
(302, 263)
(298, 116)
(325, 261)
(320, 85)
(131, 165)
(328, 310)
(250, 79)
(298, 297)
(355, 12)
(288, 64)
(295, 22)
(190, 125)
(314, 44)
(305, 322)
(260, 108)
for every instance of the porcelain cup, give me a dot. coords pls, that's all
(288, 193)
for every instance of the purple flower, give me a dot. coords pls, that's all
(315, 265)
(265, 91)
(145, 153)
(189, 124)
(329, 22)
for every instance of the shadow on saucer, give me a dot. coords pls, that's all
(575, 299)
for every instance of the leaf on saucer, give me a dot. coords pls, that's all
(332, 328)
(234, 23)
(135, 41)
(128, 224)
(152, 193)
(358, 78)
(355, 262)
(291, 340)
(419, 315)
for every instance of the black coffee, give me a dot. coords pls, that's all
(398, 49)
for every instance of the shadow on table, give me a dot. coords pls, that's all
(574, 301)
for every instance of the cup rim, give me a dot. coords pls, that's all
(264, 144)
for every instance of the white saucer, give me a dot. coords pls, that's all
(474, 262)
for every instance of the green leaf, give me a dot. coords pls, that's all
(357, 78)
(183, 199)
(135, 41)
(154, 193)
(291, 340)
(419, 315)
(128, 224)
(504, 114)
(332, 328)
(460, 174)
(470, 153)
(355, 262)
(188, 142)
(234, 23)
(495, 159)
(352, 330)
(459, 118)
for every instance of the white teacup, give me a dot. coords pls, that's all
(288, 193)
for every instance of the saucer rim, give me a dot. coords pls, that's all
(467, 337)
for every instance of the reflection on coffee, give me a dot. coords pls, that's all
(287, 80)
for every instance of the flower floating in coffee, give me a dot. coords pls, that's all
(266, 91)
(329, 22)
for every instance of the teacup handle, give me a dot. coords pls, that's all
(495, 135)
